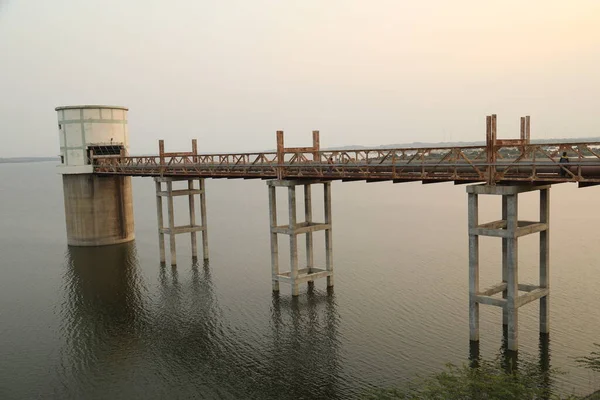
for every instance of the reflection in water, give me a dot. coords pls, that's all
(474, 354)
(304, 356)
(123, 342)
(510, 358)
(544, 364)
(103, 315)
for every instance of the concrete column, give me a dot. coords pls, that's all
(473, 268)
(293, 240)
(192, 206)
(512, 264)
(203, 218)
(159, 217)
(328, 232)
(545, 260)
(504, 260)
(309, 235)
(274, 242)
(171, 222)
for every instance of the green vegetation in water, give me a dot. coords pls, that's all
(487, 380)
(591, 361)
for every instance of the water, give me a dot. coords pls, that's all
(110, 323)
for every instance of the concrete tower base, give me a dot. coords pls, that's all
(98, 210)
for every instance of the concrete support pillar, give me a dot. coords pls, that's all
(308, 219)
(328, 233)
(293, 240)
(545, 261)
(203, 221)
(504, 260)
(173, 230)
(512, 266)
(473, 268)
(159, 217)
(171, 223)
(298, 275)
(274, 241)
(509, 229)
(192, 207)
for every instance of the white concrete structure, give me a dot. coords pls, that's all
(98, 210)
(89, 128)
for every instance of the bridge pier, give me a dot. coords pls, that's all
(173, 230)
(509, 228)
(296, 276)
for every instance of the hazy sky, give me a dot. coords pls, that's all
(232, 72)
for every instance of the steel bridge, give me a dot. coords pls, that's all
(497, 162)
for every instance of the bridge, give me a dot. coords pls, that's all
(516, 161)
(100, 173)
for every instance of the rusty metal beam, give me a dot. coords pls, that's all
(378, 180)
(429, 181)
(587, 184)
(466, 182)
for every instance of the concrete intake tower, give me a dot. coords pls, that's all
(98, 209)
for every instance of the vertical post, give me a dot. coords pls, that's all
(473, 268)
(545, 260)
(504, 259)
(293, 239)
(528, 129)
(522, 129)
(202, 187)
(328, 233)
(309, 235)
(280, 154)
(161, 151)
(512, 251)
(192, 207)
(489, 148)
(274, 242)
(316, 146)
(194, 150)
(171, 222)
(493, 160)
(159, 217)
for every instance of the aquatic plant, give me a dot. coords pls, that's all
(489, 380)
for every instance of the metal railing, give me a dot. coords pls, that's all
(522, 162)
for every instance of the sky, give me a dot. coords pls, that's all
(230, 73)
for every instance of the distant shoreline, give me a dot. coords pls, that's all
(26, 159)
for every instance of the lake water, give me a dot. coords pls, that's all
(111, 323)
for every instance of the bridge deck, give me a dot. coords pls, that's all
(505, 162)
